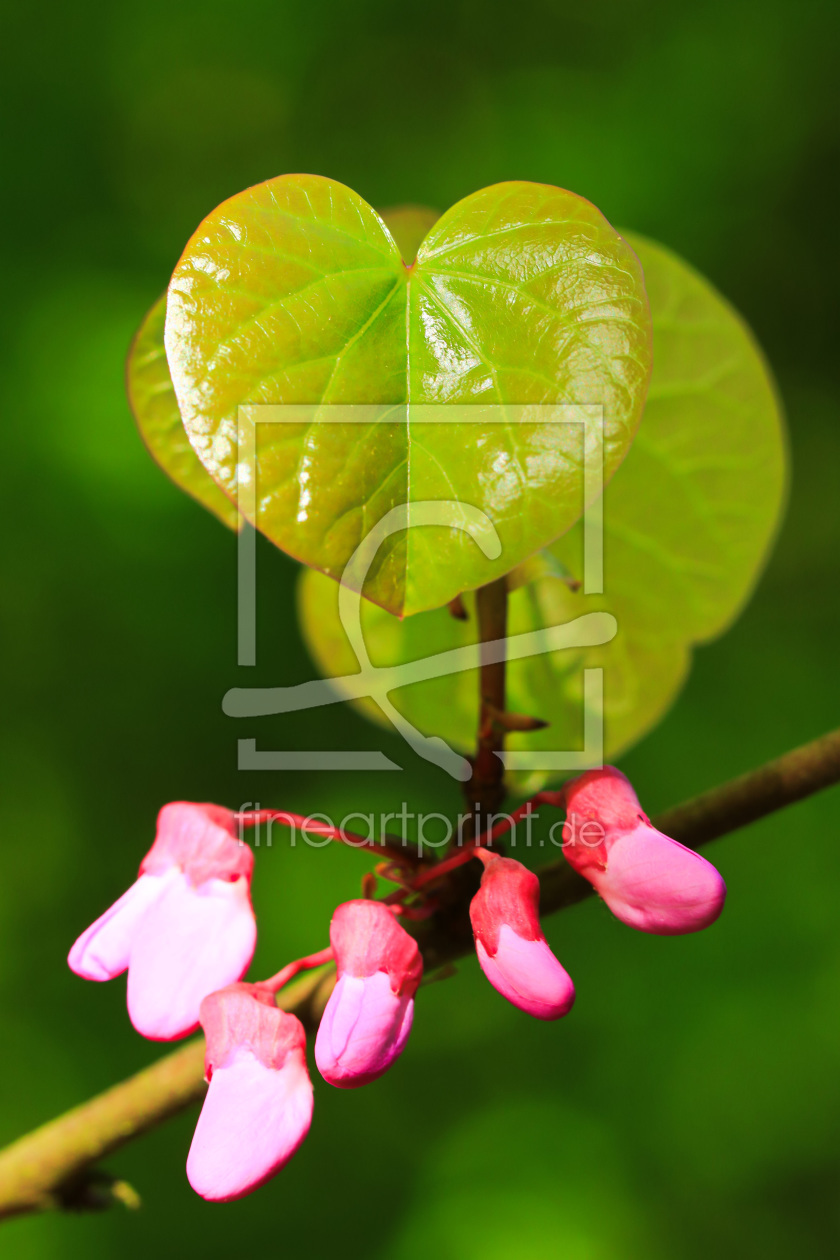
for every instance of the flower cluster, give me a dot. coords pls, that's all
(185, 932)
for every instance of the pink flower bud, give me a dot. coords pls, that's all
(648, 880)
(513, 953)
(368, 1018)
(258, 1107)
(184, 928)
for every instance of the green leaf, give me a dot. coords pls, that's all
(152, 400)
(294, 292)
(688, 522)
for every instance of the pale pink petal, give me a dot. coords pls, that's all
(528, 975)
(103, 951)
(191, 942)
(363, 1030)
(656, 885)
(253, 1120)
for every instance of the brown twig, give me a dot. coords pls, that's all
(46, 1168)
(790, 778)
(53, 1166)
(485, 790)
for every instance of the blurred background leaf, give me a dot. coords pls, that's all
(151, 397)
(699, 1077)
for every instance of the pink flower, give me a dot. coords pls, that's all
(648, 880)
(368, 1018)
(184, 928)
(258, 1107)
(513, 953)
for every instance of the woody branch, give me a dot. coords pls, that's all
(50, 1168)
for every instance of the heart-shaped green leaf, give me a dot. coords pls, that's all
(688, 521)
(294, 292)
(155, 407)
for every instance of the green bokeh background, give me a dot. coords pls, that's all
(690, 1105)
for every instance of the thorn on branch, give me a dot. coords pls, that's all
(514, 721)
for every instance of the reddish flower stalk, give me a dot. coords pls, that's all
(443, 868)
(473, 849)
(276, 982)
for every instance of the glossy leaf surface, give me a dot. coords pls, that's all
(152, 396)
(688, 521)
(294, 292)
(155, 407)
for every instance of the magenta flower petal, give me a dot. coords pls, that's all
(202, 840)
(253, 1120)
(368, 1018)
(528, 975)
(513, 953)
(648, 880)
(190, 942)
(103, 951)
(363, 1029)
(655, 884)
